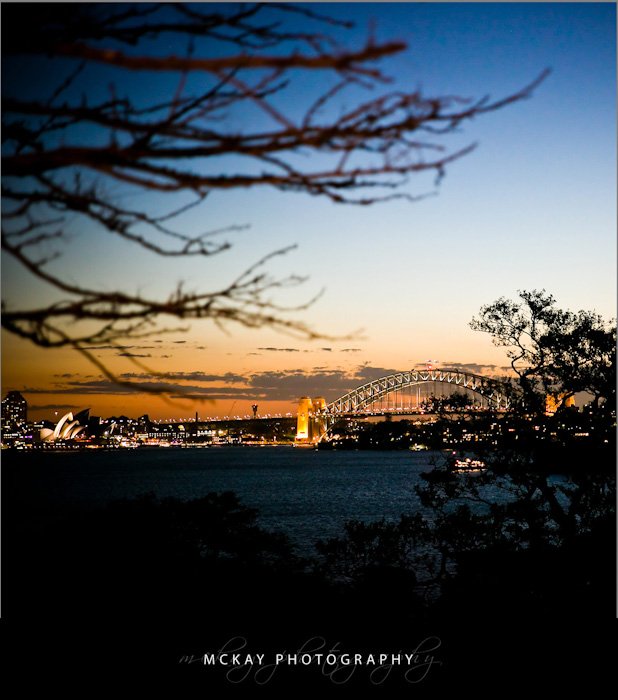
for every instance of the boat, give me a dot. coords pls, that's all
(467, 465)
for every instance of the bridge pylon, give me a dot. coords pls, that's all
(310, 421)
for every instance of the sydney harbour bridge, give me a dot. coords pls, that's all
(399, 393)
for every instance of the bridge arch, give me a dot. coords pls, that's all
(358, 399)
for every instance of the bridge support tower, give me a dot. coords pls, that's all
(310, 421)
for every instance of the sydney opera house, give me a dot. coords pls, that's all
(67, 428)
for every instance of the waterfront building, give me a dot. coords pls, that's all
(14, 409)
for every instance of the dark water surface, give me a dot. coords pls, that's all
(308, 494)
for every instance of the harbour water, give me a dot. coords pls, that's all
(307, 494)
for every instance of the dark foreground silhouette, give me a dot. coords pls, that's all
(138, 591)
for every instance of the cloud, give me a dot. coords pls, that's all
(123, 347)
(50, 407)
(66, 375)
(180, 342)
(330, 383)
(102, 386)
(326, 349)
(473, 367)
(111, 347)
(220, 395)
(488, 370)
(269, 385)
(195, 376)
(351, 350)
(279, 349)
(272, 385)
(105, 386)
(366, 373)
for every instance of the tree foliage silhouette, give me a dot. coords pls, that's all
(553, 351)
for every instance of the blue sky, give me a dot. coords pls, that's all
(534, 206)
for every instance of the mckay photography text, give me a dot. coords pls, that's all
(241, 664)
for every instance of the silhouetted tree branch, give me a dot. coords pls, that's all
(63, 151)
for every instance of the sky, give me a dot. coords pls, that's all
(532, 207)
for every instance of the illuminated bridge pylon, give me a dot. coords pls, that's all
(313, 417)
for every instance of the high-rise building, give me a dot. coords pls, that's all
(14, 409)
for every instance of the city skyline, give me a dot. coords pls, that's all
(533, 206)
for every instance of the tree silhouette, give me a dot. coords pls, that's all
(65, 151)
(553, 351)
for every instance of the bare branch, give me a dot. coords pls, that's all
(64, 152)
(348, 62)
